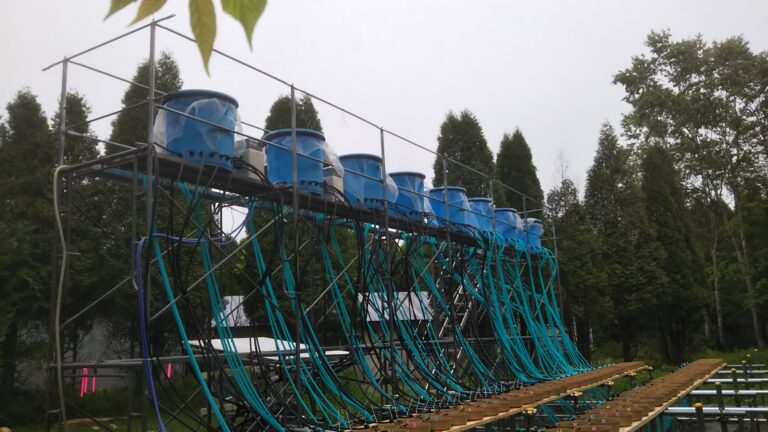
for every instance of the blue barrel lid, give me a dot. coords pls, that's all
(283, 132)
(360, 156)
(506, 209)
(407, 174)
(479, 199)
(200, 93)
(449, 188)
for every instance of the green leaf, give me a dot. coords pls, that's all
(117, 5)
(147, 8)
(202, 17)
(247, 12)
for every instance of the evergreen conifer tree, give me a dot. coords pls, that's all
(26, 160)
(629, 253)
(586, 305)
(461, 138)
(279, 116)
(679, 300)
(515, 168)
(130, 126)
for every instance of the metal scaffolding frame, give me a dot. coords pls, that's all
(142, 161)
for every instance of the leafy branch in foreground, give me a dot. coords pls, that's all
(202, 17)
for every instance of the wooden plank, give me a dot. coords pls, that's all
(656, 412)
(515, 411)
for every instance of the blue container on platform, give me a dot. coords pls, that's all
(309, 158)
(458, 206)
(410, 195)
(483, 212)
(534, 229)
(362, 181)
(194, 140)
(506, 223)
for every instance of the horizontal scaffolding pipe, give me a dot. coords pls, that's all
(729, 392)
(742, 371)
(713, 410)
(116, 363)
(739, 380)
(728, 419)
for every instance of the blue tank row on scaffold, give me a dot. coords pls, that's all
(200, 126)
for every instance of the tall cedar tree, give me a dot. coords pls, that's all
(587, 302)
(629, 253)
(461, 138)
(678, 302)
(130, 126)
(280, 114)
(515, 168)
(708, 104)
(26, 160)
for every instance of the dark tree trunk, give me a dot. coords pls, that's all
(8, 376)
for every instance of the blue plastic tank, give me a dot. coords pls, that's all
(194, 140)
(309, 158)
(534, 229)
(410, 195)
(458, 206)
(506, 223)
(483, 213)
(362, 181)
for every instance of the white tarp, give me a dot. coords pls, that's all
(234, 311)
(268, 346)
(413, 306)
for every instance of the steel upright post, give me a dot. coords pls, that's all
(55, 349)
(297, 269)
(149, 199)
(388, 270)
(63, 112)
(493, 205)
(557, 275)
(150, 138)
(451, 305)
(525, 220)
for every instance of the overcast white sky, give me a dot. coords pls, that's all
(543, 66)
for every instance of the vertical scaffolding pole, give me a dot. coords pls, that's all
(449, 288)
(53, 327)
(297, 269)
(557, 275)
(149, 199)
(388, 270)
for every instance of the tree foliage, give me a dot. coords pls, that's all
(279, 116)
(26, 160)
(629, 253)
(461, 138)
(515, 168)
(708, 104)
(586, 303)
(678, 301)
(202, 17)
(130, 126)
